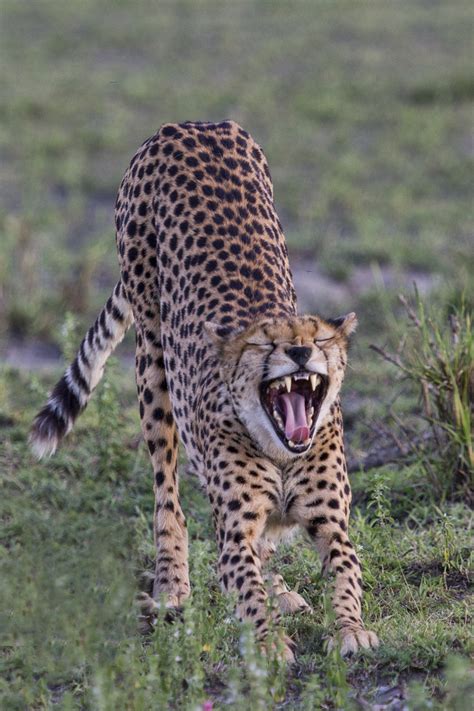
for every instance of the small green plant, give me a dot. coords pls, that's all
(69, 336)
(110, 448)
(440, 362)
(379, 503)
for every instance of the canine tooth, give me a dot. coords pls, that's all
(314, 380)
(306, 442)
(287, 380)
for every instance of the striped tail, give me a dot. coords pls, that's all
(71, 394)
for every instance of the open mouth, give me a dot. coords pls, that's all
(292, 404)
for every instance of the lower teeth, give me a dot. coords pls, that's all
(299, 444)
(278, 418)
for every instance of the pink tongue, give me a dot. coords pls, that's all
(296, 424)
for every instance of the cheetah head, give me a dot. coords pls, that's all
(283, 375)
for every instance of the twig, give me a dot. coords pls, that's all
(395, 360)
(409, 311)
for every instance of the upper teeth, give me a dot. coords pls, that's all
(285, 382)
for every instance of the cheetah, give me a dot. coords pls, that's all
(225, 364)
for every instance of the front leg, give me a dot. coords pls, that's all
(243, 497)
(171, 580)
(321, 504)
(338, 556)
(240, 571)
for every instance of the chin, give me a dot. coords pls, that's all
(268, 440)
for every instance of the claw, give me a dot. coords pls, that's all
(352, 641)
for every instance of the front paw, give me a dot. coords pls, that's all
(352, 640)
(291, 602)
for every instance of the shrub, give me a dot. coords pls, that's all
(439, 360)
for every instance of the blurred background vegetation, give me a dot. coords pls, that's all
(364, 109)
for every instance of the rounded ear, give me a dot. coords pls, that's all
(219, 335)
(344, 324)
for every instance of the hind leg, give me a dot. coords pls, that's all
(171, 581)
(289, 601)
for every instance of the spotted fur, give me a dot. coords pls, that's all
(205, 277)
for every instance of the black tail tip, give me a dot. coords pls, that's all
(55, 420)
(48, 430)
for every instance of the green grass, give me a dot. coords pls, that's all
(76, 535)
(438, 359)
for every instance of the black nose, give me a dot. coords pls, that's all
(299, 354)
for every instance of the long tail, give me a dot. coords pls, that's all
(71, 394)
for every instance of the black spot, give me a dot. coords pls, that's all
(147, 396)
(250, 515)
(318, 521)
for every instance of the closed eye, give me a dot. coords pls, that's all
(260, 345)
